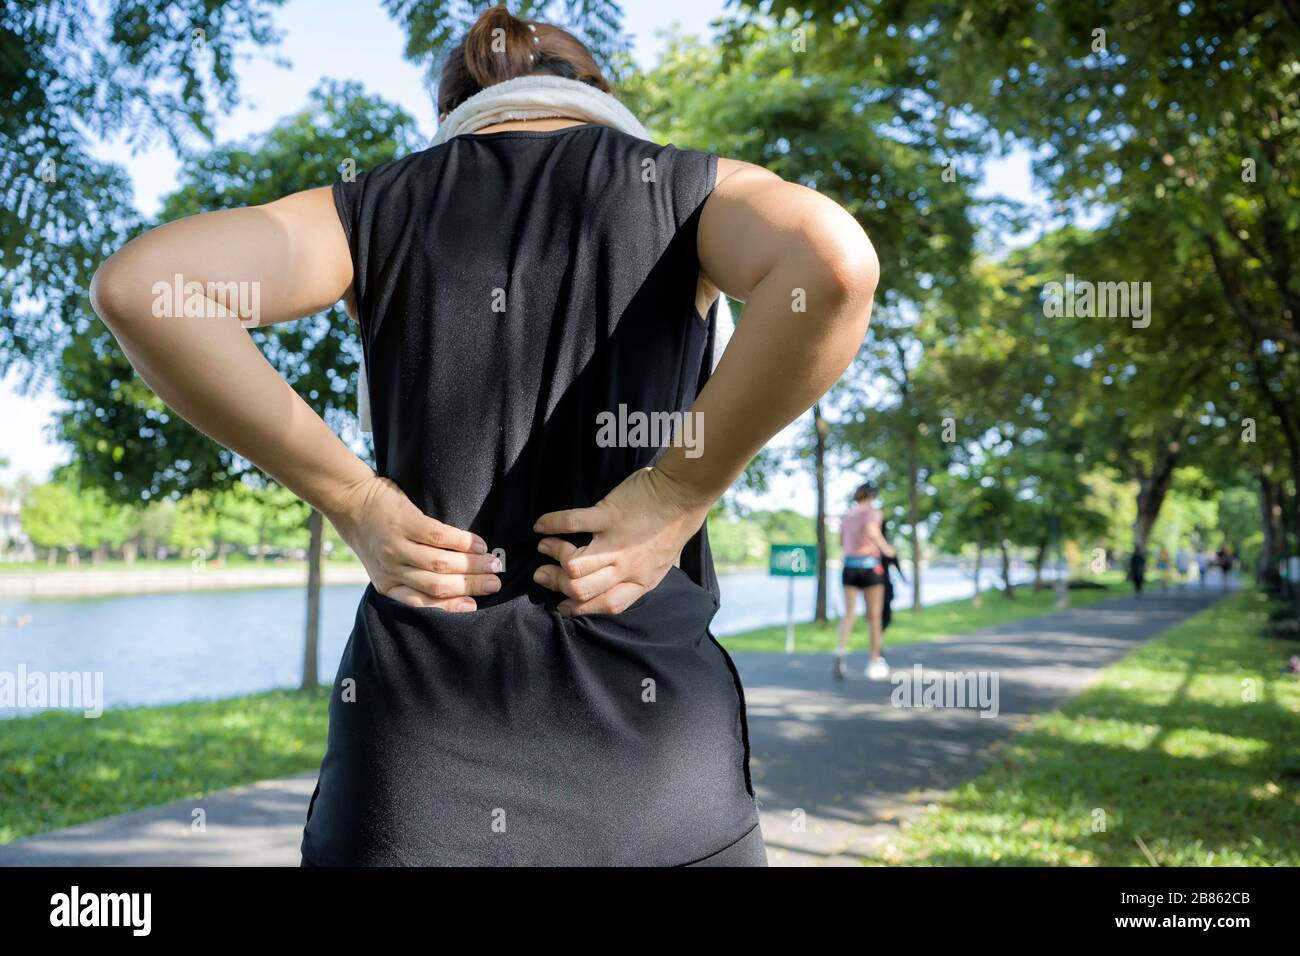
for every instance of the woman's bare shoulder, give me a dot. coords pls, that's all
(731, 167)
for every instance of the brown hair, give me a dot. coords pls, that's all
(521, 48)
(863, 492)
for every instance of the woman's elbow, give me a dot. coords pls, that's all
(856, 273)
(848, 273)
(847, 267)
(113, 291)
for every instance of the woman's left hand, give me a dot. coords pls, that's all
(638, 532)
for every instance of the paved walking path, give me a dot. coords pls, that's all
(835, 765)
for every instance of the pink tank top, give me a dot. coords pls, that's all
(853, 532)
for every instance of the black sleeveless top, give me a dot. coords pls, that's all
(512, 288)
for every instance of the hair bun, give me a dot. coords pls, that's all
(499, 47)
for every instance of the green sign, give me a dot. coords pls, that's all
(793, 560)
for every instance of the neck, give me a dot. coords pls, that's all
(546, 123)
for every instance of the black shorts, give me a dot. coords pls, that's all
(862, 577)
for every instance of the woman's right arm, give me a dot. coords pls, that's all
(807, 274)
(291, 259)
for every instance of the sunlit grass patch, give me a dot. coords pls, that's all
(1190, 745)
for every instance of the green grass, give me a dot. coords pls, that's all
(932, 623)
(1164, 746)
(58, 769)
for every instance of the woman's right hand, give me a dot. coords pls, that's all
(411, 557)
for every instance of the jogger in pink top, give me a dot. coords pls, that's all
(865, 551)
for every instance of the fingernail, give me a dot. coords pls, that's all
(495, 565)
(479, 546)
(537, 526)
(466, 605)
(492, 585)
(540, 576)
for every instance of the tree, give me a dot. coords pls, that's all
(974, 509)
(895, 419)
(126, 439)
(1176, 117)
(71, 73)
(50, 518)
(156, 521)
(253, 515)
(194, 528)
(105, 524)
(1171, 121)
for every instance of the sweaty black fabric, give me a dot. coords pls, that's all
(511, 287)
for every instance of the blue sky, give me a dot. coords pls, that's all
(355, 39)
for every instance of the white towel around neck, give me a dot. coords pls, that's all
(538, 97)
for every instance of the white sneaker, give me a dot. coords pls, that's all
(878, 669)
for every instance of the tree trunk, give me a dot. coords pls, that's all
(1152, 488)
(1286, 543)
(1006, 569)
(1291, 521)
(310, 666)
(1267, 568)
(914, 517)
(978, 600)
(1060, 586)
(820, 429)
(1283, 405)
(130, 551)
(52, 557)
(1040, 556)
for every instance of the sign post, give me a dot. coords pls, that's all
(792, 561)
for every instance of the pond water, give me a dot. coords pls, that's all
(165, 648)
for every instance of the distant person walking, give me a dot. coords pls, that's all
(1137, 570)
(1182, 565)
(1203, 566)
(1162, 566)
(865, 552)
(1225, 559)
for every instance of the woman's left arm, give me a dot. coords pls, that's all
(878, 538)
(258, 266)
